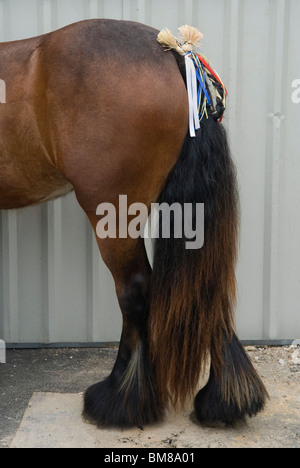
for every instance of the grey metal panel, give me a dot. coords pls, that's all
(53, 284)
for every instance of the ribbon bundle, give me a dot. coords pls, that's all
(199, 74)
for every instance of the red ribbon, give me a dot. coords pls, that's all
(212, 72)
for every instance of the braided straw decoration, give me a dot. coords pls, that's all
(189, 38)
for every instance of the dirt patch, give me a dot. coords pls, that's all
(68, 372)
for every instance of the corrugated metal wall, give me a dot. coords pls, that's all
(53, 285)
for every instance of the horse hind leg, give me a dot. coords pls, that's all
(234, 389)
(128, 397)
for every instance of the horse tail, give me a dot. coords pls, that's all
(193, 291)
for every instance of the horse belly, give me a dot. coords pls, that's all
(18, 191)
(28, 176)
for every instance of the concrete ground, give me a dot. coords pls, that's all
(41, 401)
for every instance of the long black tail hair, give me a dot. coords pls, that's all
(193, 292)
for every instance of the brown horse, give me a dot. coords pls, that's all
(99, 107)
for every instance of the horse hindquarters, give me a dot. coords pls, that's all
(122, 137)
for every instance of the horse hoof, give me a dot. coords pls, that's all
(213, 411)
(108, 405)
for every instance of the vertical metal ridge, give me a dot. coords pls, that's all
(277, 59)
(54, 263)
(44, 16)
(10, 275)
(2, 35)
(91, 8)
(6, 20)
(92, 284)
(233, 60)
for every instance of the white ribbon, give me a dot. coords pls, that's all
(191, 81)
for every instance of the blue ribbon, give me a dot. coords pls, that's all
(198, 67)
